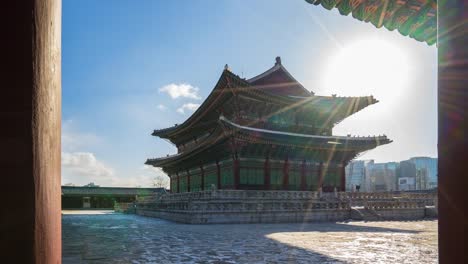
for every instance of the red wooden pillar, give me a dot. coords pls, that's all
(303, 176)
(343, 177)
(188, 181)
(236, 168)
(30, 118)
(218, 175)
(453, 130)
(202, 178)
(320, 175)
(286, 174)
(266, 174)
(178, 182)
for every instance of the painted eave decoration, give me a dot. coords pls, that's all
(414, 18)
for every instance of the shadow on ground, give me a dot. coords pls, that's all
(119, 238)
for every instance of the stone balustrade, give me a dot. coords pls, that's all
(239, 194)
(252, 206)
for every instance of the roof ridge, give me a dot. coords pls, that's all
(278, 66)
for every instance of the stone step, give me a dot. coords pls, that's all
(361, 213)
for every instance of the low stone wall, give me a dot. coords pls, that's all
(431, 212)
(249, 206)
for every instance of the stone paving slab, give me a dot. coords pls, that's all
(120, 238)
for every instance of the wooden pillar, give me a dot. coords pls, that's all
(303, 176)
(236, 169)
(266, 174)
(202, 175)
(188, 181)
(286, 174)
(342, 177)
(218, 175)
(320, 175)
(453, 130)
(178, 182)
(30, 116)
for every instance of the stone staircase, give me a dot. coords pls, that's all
(364, 214)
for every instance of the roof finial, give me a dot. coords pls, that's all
(226, 67)
(278, 60)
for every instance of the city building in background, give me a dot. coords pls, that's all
(418, 173)
(429, 165)
(356, 175)
(381, 177)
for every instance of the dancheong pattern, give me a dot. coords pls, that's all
(414, 18)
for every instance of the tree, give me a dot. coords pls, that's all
(161, 181)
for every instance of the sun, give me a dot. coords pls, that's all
(367, 67)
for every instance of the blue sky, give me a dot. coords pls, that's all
(118, 55)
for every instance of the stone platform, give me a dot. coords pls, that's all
(250, 206)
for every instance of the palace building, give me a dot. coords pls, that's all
(264, 133)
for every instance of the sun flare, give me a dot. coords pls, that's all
(367, 67)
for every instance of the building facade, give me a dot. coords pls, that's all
(264, 133)
(95, 197)
(381, 177)
(417, 173)
(428, 171)
(356, 175)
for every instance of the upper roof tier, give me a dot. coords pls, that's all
(277, 80)
(276, 87)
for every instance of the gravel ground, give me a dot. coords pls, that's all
(119, 238)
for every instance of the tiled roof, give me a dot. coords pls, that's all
(414, 18)
(75, 190)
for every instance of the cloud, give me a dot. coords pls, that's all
(86, 165)
(190, 106)
(180, 90)
(162, 107)
(149, 176)
(80, 168)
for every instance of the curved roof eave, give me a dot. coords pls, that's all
(416, 19)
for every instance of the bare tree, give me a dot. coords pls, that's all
(161, 181)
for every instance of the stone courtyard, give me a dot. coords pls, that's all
(106, 237)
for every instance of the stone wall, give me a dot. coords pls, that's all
(242, 206)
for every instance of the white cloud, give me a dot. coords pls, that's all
(86, 165)
(149, 176)
(80, 168)
(181, 90)
(162, 107)
(190, 107)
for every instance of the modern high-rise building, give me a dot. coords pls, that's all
(418, 173)
(382, 177)
(430, 166)
(356, 175)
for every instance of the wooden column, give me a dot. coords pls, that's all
(303, 176)
(236, 169)
(342, 177)
(320, 175)
(188, 181)
(178, 182)
(453, 130)
(202, 175)
(30, 118)
(218, 175)
(286, 174)
(266, 174)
